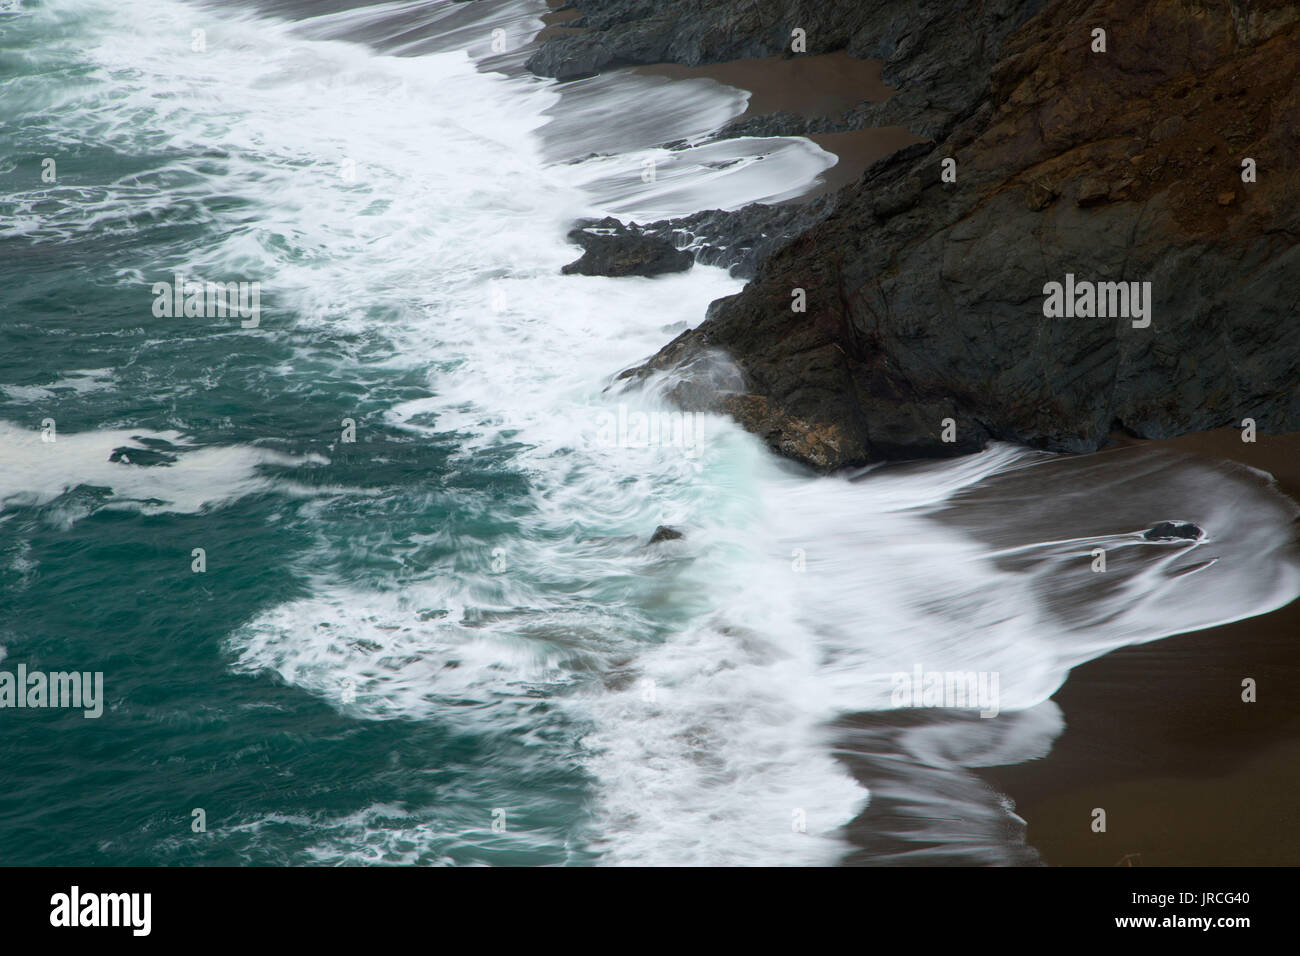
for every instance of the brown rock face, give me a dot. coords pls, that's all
(926, 298)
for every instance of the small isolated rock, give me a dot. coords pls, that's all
(140, 456)
(1173, 531)
(665, 533)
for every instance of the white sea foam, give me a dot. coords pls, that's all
(79, 382)
(35, 472)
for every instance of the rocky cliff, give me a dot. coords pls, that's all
(1080, 159)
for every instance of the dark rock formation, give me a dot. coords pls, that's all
(615, 249)
(1173, 531)
(625, 32)
(128, 455)
(665, 533)
(782, 123)
(925, 299)
(736, 239)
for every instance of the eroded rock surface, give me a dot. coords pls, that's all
(925, 298)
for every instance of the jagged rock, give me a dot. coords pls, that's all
(127, 455)
(782, 123)
(925, 299)
(614, 249)
(1173, 531)
(665, 533)
(736, 239)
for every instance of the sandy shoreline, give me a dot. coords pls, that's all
(810, 86)
(1158, 735)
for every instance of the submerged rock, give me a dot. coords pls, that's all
(665, 533)
(127, 455)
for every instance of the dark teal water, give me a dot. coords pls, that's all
(93, 583)
(425, 645)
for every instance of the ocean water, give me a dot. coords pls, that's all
(447, 641)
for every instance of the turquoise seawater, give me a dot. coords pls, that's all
(93, 581)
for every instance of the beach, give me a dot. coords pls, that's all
(1159, 736)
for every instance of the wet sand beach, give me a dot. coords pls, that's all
(1159, 737)
(810, 86)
